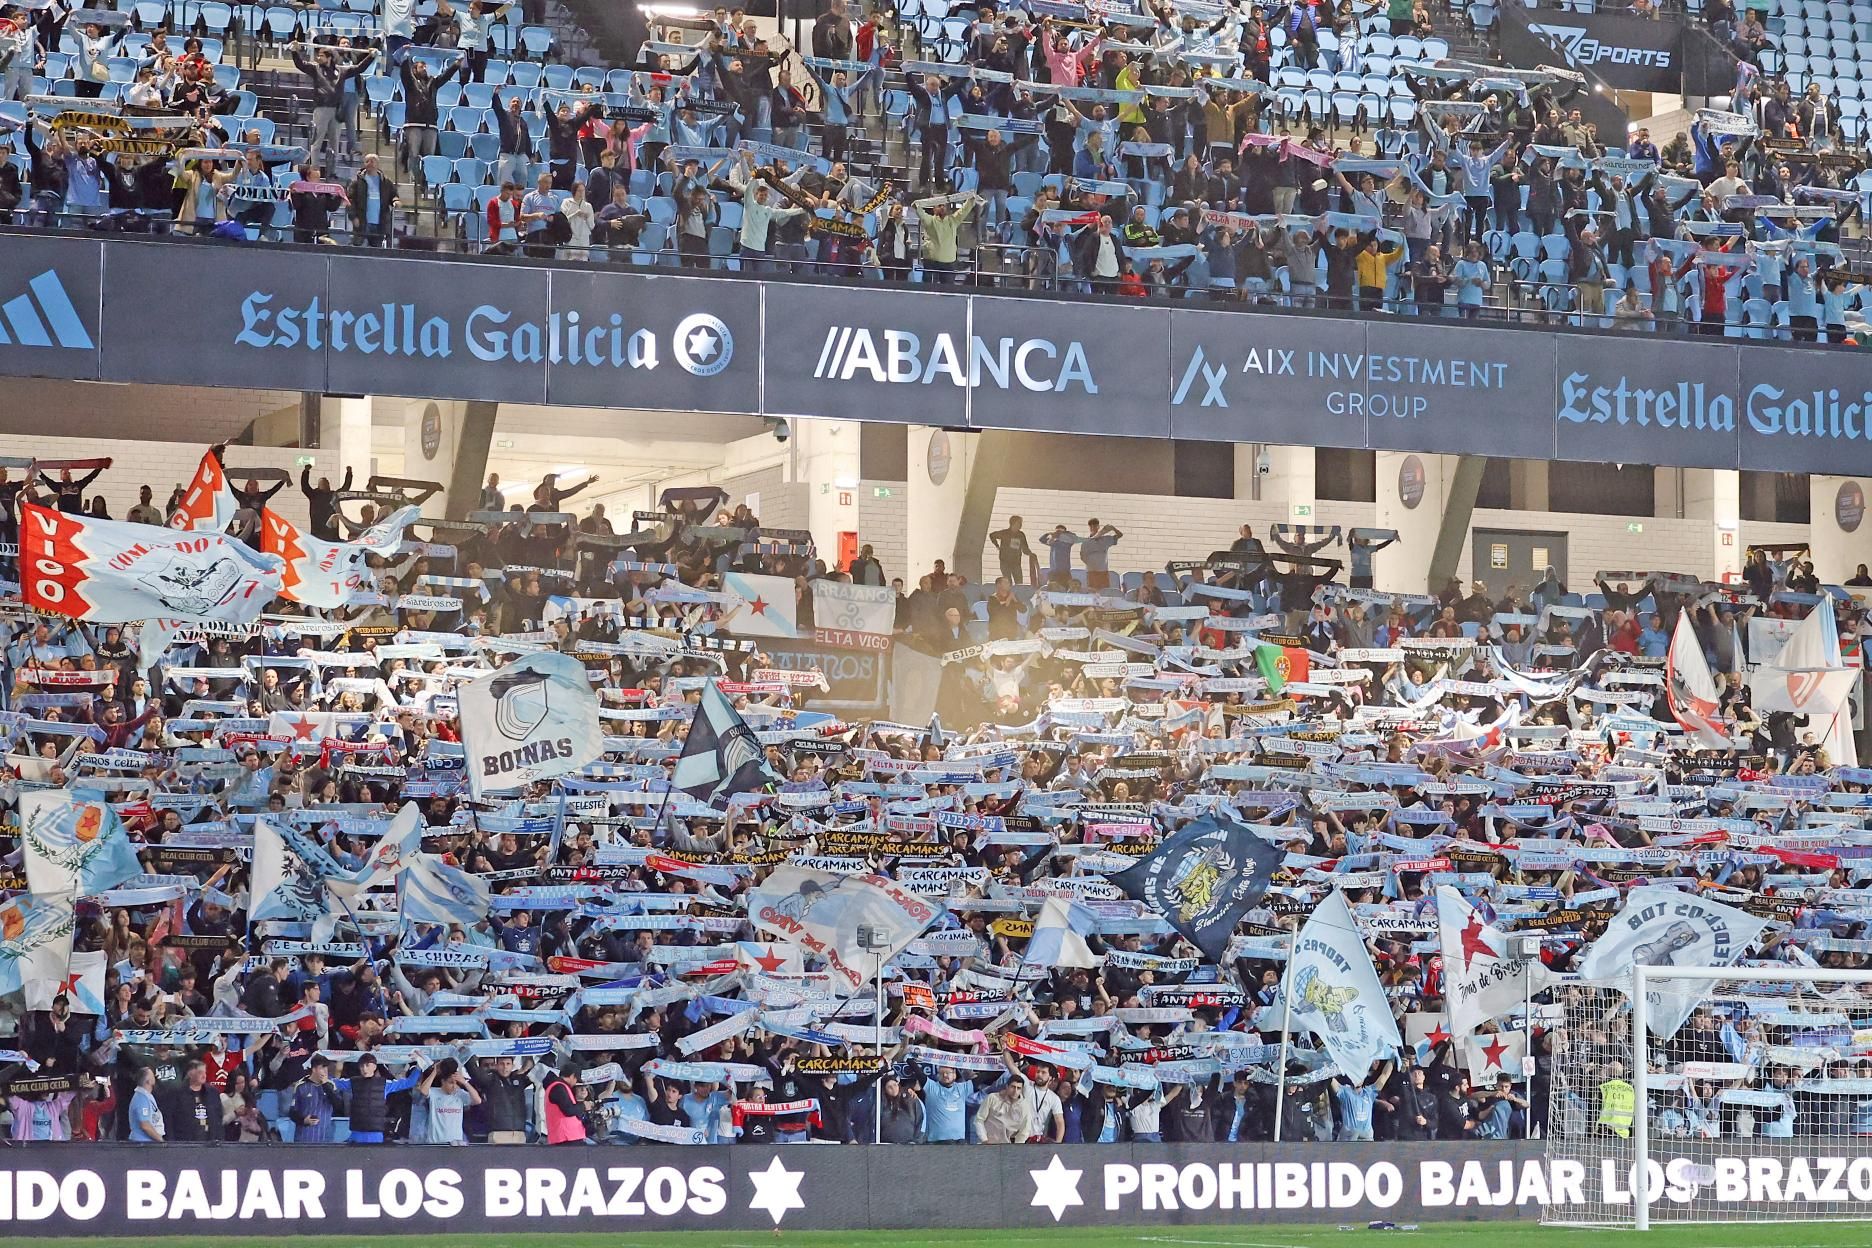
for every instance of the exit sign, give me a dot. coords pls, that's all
(1303, 509)
(881, 491)
(304, 461)
(1634, 527)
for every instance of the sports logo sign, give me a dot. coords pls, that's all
(1627, 53)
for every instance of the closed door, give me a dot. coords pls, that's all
(1504, 557)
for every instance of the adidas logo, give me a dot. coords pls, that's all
(51, 322)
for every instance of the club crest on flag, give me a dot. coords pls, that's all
(35, 940)
(74, 846)
(520, 702)
(1313, 995)
(533, 719)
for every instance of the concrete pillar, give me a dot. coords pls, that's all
(938, 467)
(825, 461)
(1411, 493)
(1838, 527)
(431, 431)
(1290, 480)
(1715, 495)
(345, 429)
(1527, 484)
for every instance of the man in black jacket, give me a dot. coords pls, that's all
(1099, 256)
(328, 89)
(368, 1093)
(516, 146)
(373, 200)
(562, 143)
(419, 112)
(262, 998)
(193, 1114)
(319, 504)
(505, 1091)
(1417, 1109)
(831, 34)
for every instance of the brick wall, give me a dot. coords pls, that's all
(782, 506)
(159, 413)
(883, 523)
(164, 465)
(1158, 529)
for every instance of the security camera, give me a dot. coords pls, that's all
(780, 429)
(1264, 464)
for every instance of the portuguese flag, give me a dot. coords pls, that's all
(1281, 664)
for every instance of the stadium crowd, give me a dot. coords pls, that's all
(616, 981)
(1294, 155)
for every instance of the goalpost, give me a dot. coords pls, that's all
(1712, 1094)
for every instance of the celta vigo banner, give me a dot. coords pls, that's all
(325, 322)
(55, 1190)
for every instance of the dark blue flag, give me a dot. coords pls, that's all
(1203, 879)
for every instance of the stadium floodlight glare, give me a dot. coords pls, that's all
(1753, 1114)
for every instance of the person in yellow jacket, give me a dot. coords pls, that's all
(1130, 79)
(1375, 262)
(1618, 1102)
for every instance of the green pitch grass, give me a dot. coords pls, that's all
(1250, 1235)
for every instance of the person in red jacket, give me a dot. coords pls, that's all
(503, 221)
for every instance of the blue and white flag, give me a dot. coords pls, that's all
(533, 719)
(35, 940)
(401, 840)
(721, 755)
(1059, 935)
(760, 606)
(82, 985)
(1336, 993)
(1662, 926)
(73, 846)
(291, 879)
(831, 916)
(429, 890)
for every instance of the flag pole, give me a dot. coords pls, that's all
(877, 1037)
(1280, 1073)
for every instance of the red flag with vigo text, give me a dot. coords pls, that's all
(208, 505)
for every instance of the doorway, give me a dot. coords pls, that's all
(1504, 557)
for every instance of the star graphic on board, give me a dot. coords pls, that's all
(1056, 1189)
(67, 987)
(1436, 1036)
(702, 344)
(776, 1190)
(769, 961)
(302, 728)
(1494, 1050)
(759, 605)
(1475, 941)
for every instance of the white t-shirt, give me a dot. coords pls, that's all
(445, 1116)
(399, 18)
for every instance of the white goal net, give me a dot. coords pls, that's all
(1749, 1098)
